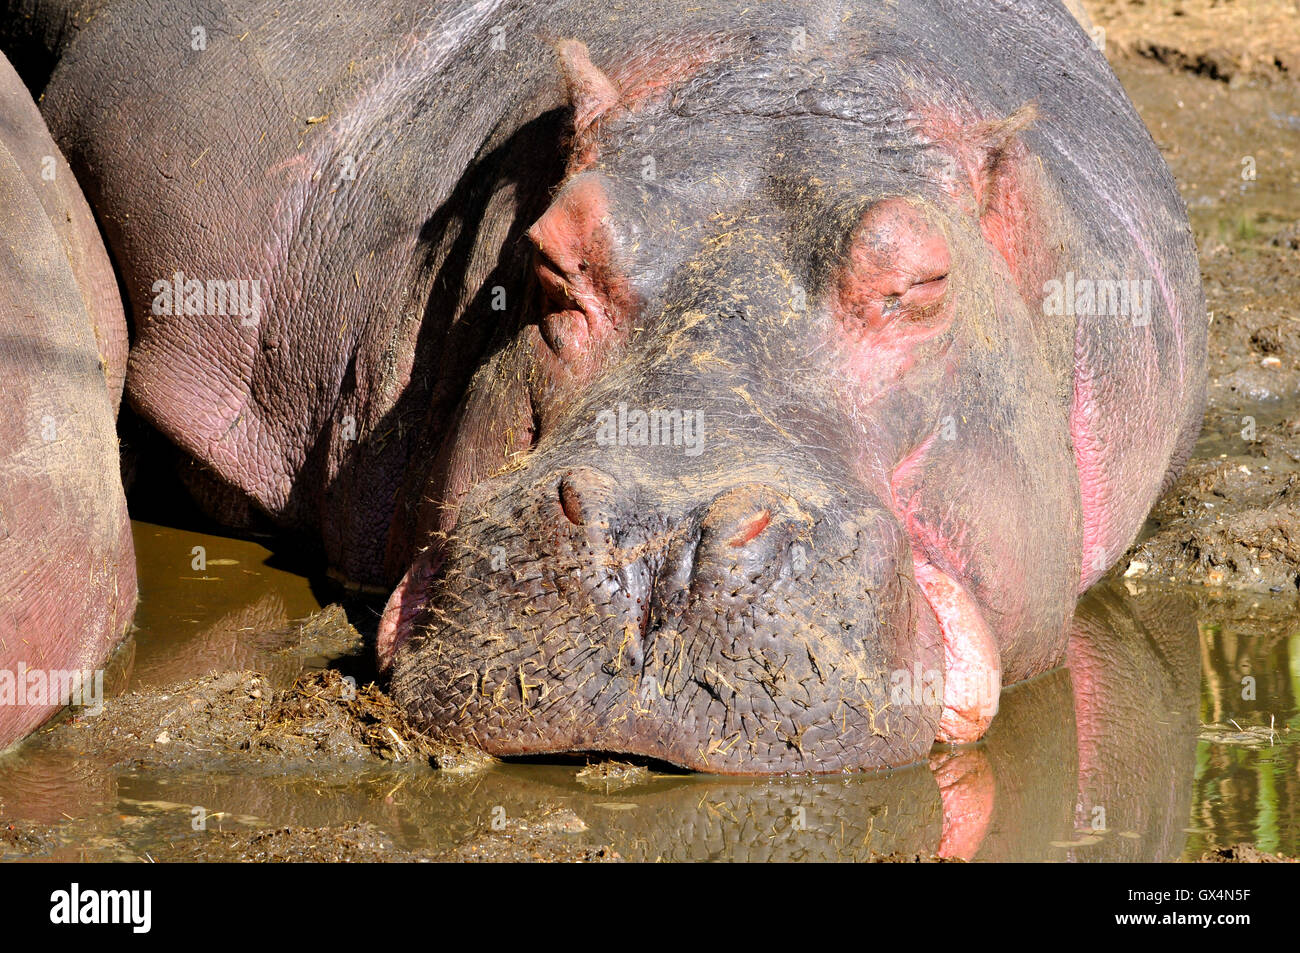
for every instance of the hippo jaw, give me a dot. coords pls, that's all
(735, 637)
(749, 636)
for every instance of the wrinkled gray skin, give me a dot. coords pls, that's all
(67, 574)
(837, 257)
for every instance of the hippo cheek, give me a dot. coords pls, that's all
(752, 634)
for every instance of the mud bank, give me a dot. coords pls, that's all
(1216, 83)
(1223, 40)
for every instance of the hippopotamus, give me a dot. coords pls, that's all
(67, 579)
(753, 387)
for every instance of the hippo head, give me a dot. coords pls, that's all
(775, 474)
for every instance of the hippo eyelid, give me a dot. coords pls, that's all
(930, 290)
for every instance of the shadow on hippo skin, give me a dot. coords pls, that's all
(454, 340)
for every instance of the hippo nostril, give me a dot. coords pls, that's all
(588, 497)
(571, 503)
(746, 532)
(749, 530)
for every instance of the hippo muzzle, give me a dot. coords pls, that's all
(738, 628)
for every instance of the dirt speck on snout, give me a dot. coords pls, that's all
(239, 715)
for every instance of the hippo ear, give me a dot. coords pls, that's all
(986, 168)
(591, 92)
(981, 154)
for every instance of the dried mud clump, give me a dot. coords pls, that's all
(362, 842)
(1242, 854)
(238, 715)
(325, 713)
(1226, 523)
(20, 839)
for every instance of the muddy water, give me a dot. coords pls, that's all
(1143, 749)
(205, 601)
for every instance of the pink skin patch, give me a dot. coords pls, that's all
(1105, 522)
(972, 678)
(989, 175)
(590, 91)
(403, 607)
(968, 790)
(896, 275)
(890, 297)
(1089, 457)
(588, 301)
(573, 268)
(892, 292)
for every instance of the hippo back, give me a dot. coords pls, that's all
(67, 577)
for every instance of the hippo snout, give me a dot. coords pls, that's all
(749, 628)
(738, 542)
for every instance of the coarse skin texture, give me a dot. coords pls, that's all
(819, 232)
(67, 572)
